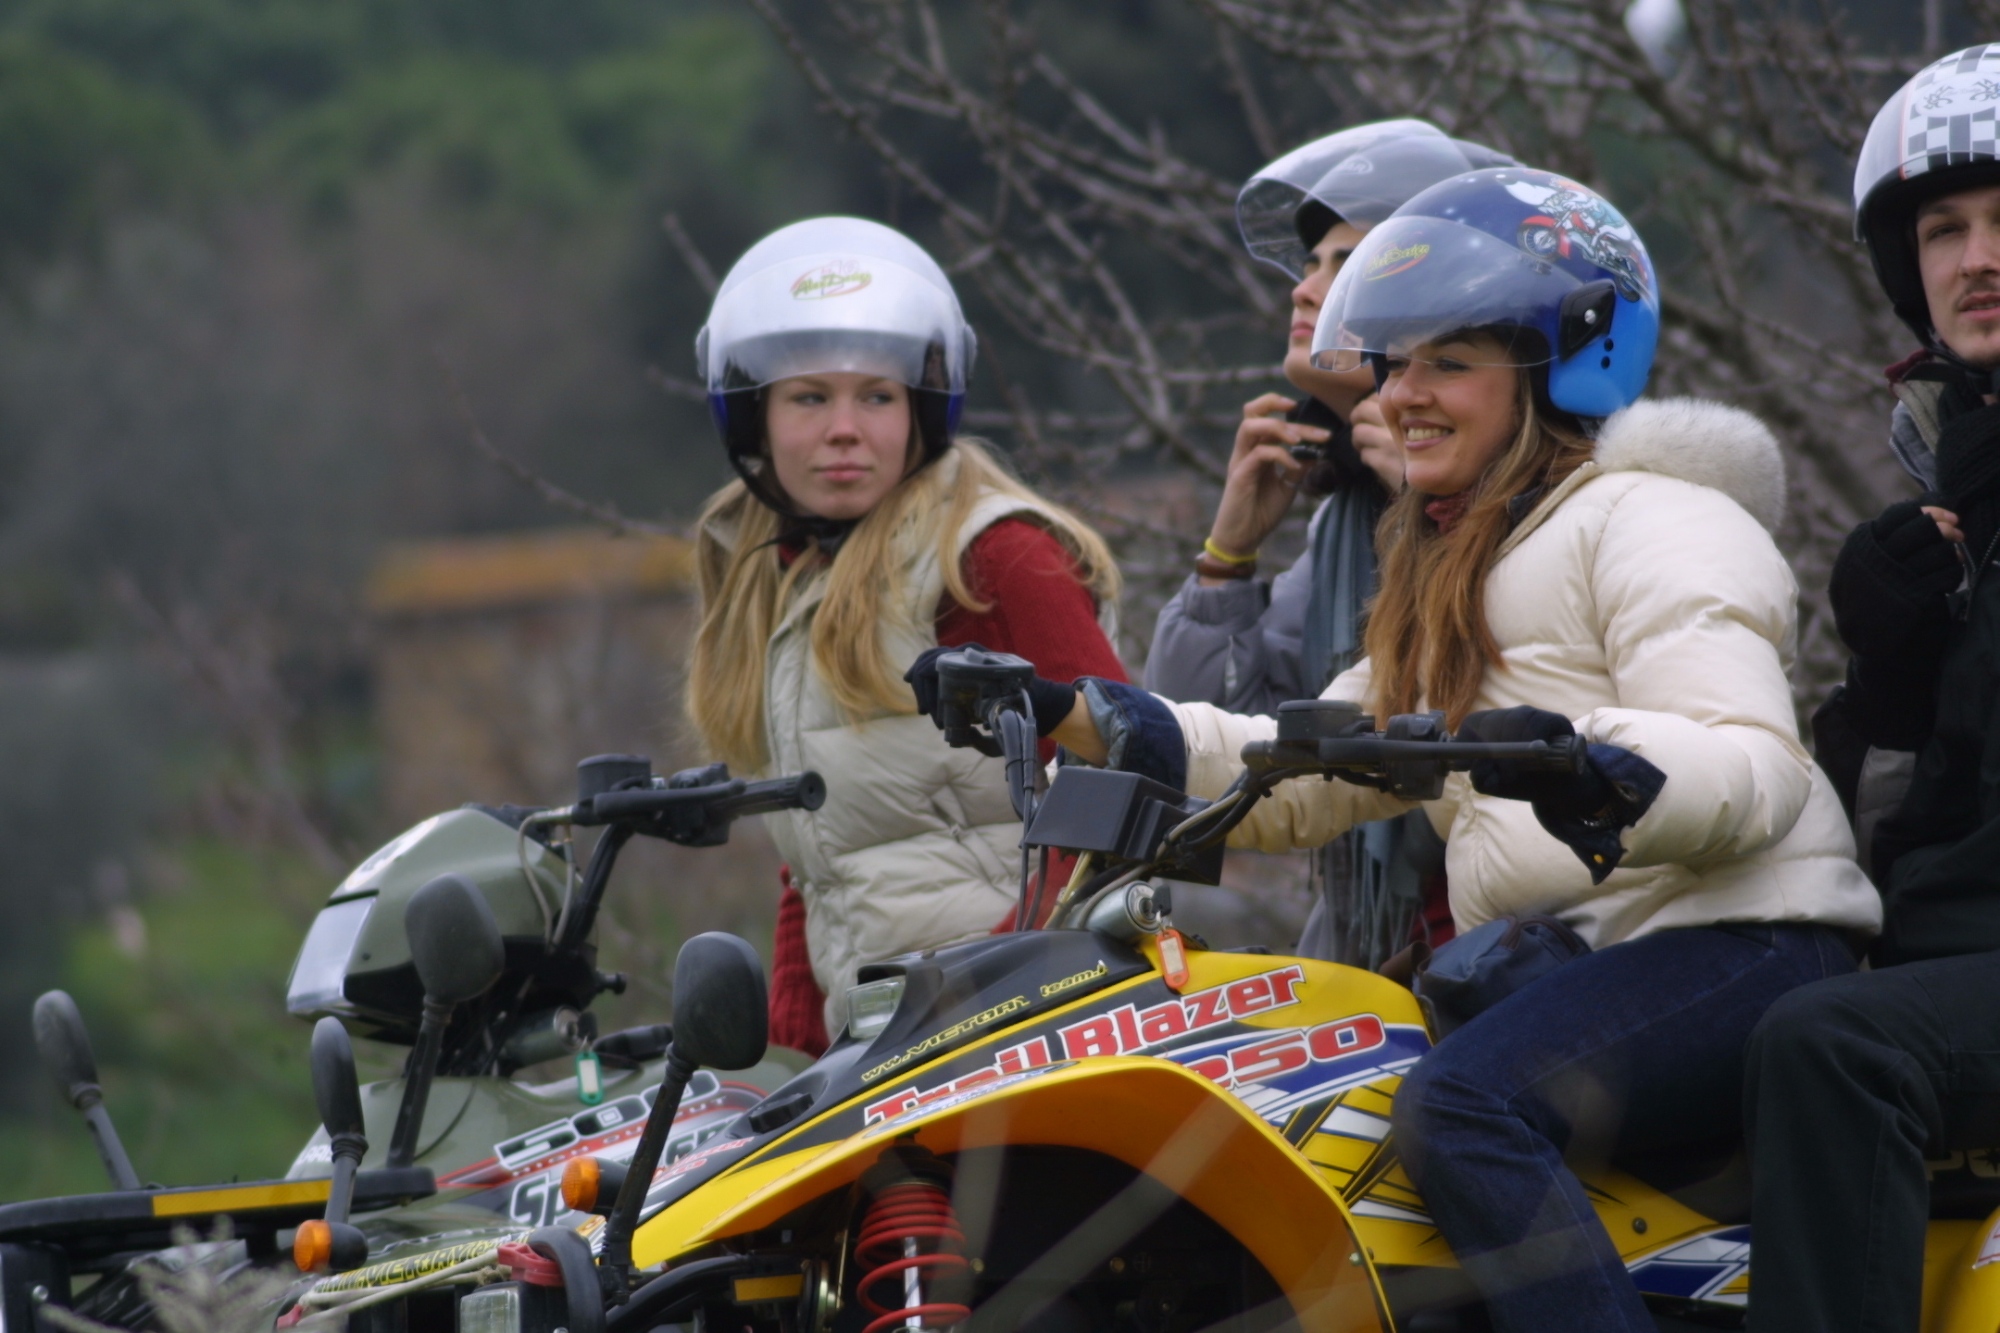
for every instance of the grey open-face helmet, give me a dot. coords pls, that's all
(1359, 175)
(1940, 133)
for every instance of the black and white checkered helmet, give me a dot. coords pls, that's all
(1939, 133)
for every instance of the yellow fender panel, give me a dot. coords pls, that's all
(1152, 1115)
(1961, 1276)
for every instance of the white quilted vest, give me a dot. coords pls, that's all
(916, 845)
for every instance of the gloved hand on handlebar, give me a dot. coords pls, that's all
(1586, 810)
(1051, 700)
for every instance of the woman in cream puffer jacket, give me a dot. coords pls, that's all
(1643, 599)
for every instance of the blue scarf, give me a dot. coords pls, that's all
(1343, 556)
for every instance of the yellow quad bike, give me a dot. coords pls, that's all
(1097, 1125)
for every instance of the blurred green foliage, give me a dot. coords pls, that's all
(517, 107)
(204, 1073)
(75, 143)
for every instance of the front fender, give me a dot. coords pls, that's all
(1152, 1115)
(1961, 1276)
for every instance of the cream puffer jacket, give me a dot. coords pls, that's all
(917, 845)
(1645, 600)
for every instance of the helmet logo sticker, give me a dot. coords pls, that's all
(1571, 221)
(1354, 166)
(843, 277)
(1396, 259)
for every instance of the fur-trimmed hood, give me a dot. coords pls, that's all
(1710, 444)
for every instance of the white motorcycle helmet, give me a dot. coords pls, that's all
(1359, 175)
(1939, 133)
(828, 295)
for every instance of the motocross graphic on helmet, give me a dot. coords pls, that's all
(832, 294)
(1359, 175)
(1545, 263)
(1939, 133)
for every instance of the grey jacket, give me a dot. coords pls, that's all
(1237, 646)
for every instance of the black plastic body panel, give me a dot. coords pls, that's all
(87, 1225)
(1120, 815)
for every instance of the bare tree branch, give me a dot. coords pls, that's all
(596, 511)
(690, 253)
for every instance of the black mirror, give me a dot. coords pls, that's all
(721, 1015)
(336, 1087)
(64, 1044)
(454, 940)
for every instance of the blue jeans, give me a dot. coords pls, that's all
(1637, 1047)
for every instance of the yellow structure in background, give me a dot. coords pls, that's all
(501, 661)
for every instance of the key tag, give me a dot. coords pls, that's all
(589, 1077)
(1173, 958)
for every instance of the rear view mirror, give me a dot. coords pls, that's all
(454, 940)
(721, 1015)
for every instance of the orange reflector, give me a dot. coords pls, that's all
(312, 1247)
(1173, 960)
(580, 1181)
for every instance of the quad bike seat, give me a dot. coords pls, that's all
(1714, 1180)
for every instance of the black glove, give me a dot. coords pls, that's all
(1559, 795)
(1583, 810)
(1890, 586)
(1051, 700)
(923, 680)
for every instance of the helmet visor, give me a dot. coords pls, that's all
(1373, 183)
(1419, 281)
(1267, 207)
(828, 313)
(1266, 215)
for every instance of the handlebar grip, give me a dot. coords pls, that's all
(800, 791)
(608, 807)
(1574, 752)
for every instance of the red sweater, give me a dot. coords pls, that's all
(1037, 609)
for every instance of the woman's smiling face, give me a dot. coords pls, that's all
(1452, 405)
(839, 441)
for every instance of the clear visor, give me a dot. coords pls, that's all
(1266, 215)
(1369, 186)
(1417, 286)
(827, 313)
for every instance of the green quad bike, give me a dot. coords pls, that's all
(469, 939)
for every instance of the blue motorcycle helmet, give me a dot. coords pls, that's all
(1547, 264)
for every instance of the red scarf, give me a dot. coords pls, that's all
(1447, 510)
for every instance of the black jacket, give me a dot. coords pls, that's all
(1937, 858)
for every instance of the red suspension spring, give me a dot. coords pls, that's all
(910, 1242)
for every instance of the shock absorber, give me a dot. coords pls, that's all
(910, 1250)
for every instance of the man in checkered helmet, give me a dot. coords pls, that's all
(1852, 1082)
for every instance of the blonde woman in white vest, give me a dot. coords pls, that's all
(859, 532)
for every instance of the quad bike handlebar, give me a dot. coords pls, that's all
(731, 798)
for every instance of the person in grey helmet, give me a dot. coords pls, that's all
(1230, 639)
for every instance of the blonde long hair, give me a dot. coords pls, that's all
(744, 590)
(1427, 635)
